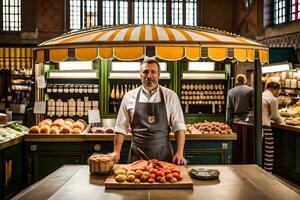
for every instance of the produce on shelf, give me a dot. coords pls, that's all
(8, 133)
(102, 130)
(19, 127)
(142, 171)
(59, 126)
(291, 111)
(294, 121)
(208, 128)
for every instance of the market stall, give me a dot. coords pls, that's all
(115, 52)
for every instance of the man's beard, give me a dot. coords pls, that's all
(150, 84)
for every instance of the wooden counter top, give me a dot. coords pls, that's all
(11, 142)
(286, 127)
(235, 182)
(110, 137)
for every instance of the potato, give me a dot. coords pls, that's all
(138, 173)
(173, 180)
(131, 173)
(137, 180)
(130, 178)
(120, 177)
(120, 171)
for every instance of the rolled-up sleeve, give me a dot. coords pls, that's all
(274, 111)
(123, 119)
(176, 115)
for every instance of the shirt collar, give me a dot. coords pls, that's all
(148, 93)
(269, 92)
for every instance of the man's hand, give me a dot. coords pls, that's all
(179, 159)
(116, 157)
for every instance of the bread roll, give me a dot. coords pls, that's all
(79, 125)
(70, 120)
(47, 122)
(81, 120)
(55, 126)
(76, 131)
(65, 130)
(69, 123)
(34, 130)
(45, 129)
(59, 123)
(54, 130)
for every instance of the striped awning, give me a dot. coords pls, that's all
(15, 58)
(132, 42)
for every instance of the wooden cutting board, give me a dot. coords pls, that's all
(185, 183)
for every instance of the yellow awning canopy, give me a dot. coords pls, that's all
(131, 42)
(15, 58)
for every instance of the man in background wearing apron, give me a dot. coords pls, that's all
(269, 111)
(151, 112)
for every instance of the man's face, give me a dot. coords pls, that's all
(149, 76)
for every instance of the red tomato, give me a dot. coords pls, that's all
(151, 180)
(152, 176)
(144, 178)
(158, 178)
(160, 173)
(180, 177)
(167, 171)
(175, 170)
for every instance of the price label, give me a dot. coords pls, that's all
(41, 83)
(39, 107)
(94, 116)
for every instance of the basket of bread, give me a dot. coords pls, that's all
(100, 163)
(59, 126)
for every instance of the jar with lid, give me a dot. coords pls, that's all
(85, 89)
(71, 88)
(49, 88)
(76, 89)
(80, 89)
(60, 88)
(90, 89)
(66, 88)
(54, 88)
(95, 88)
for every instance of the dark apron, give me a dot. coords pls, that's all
(150, 131)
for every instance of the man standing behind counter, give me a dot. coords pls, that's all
(239, 101)
(152, 111)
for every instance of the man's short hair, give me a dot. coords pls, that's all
(150, 61)
(240, 79)
(273, 85)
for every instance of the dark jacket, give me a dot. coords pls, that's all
(239, 103)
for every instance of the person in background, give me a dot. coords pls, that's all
(239, 101)
(269, 111)
(151, 112)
